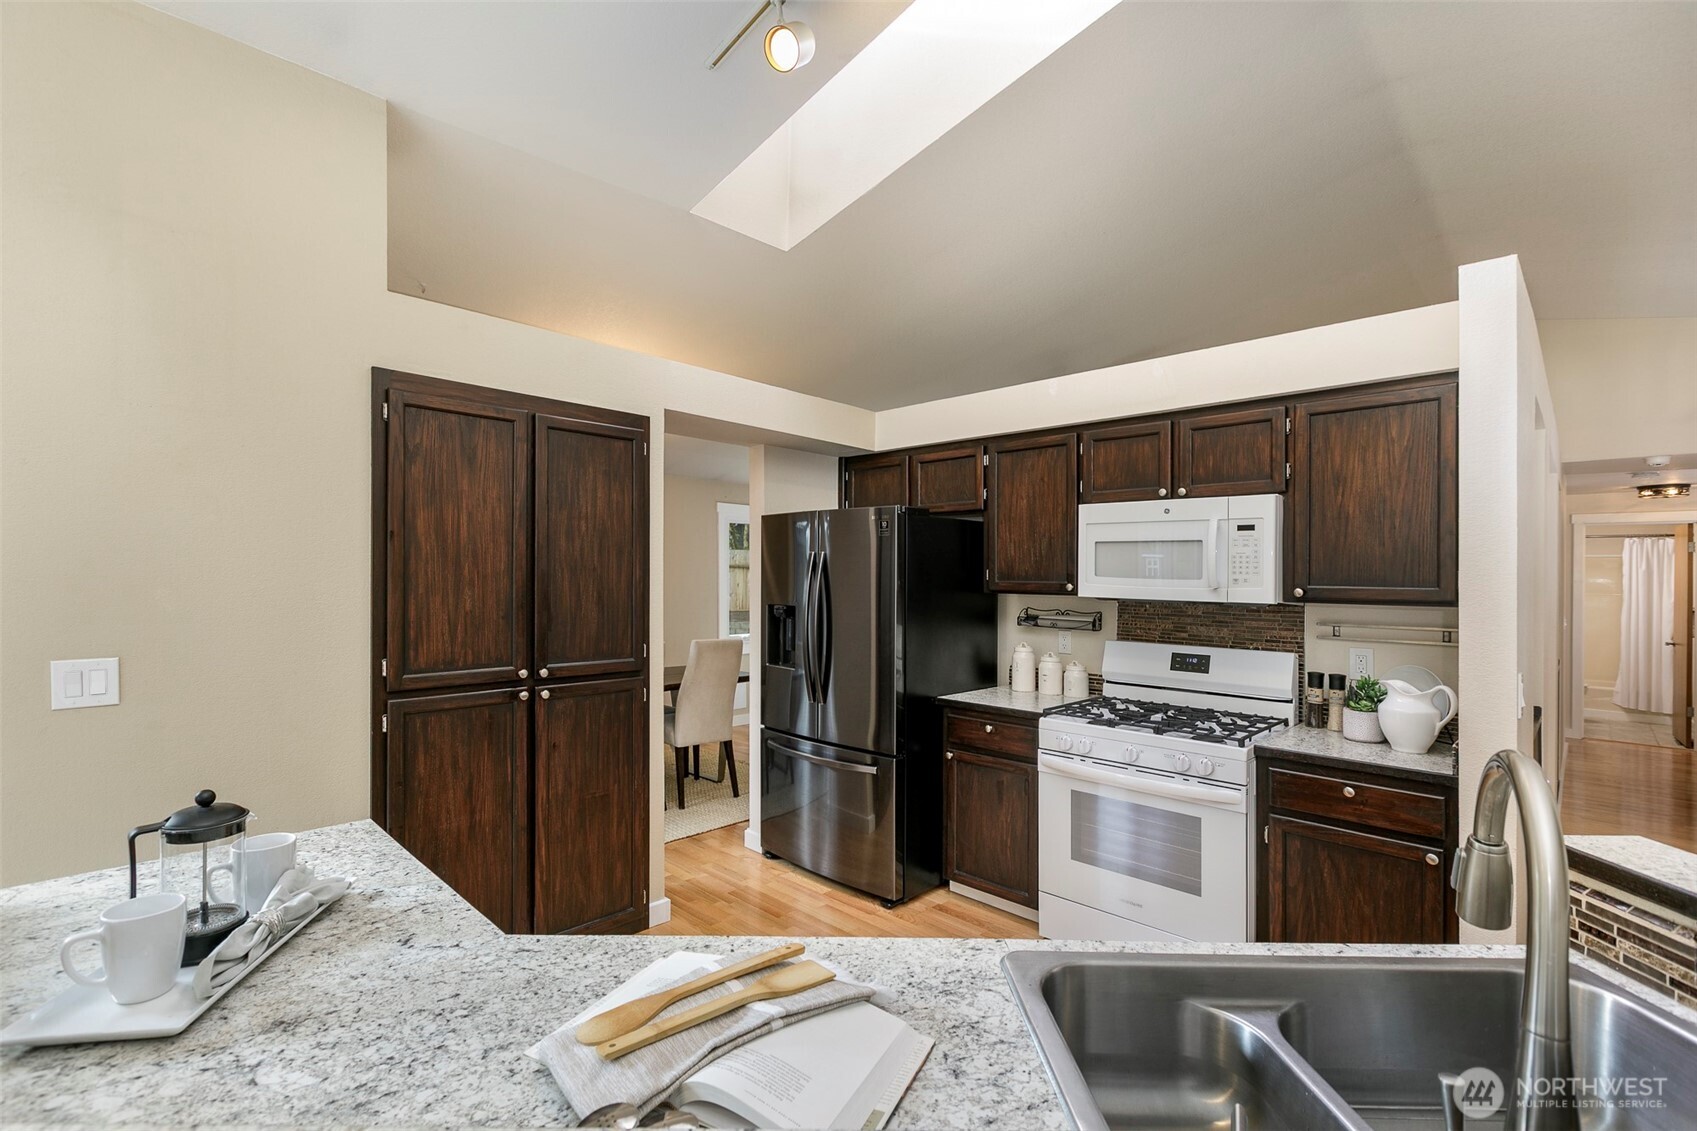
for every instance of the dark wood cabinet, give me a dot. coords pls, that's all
(510, 546)
(1351, 857)
(875, 481)
(458, 542)
(1031, 518)
(951, 479)
(1235, 452)
(457, 785)
(591, 828)
(1126, 463)
(591, 547)
(1372, 508)
(990, 813)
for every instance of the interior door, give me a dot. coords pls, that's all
(1684, 631)
(591, 547)
(457, 795)
(458, 542)
(591, 827)
(854, 629)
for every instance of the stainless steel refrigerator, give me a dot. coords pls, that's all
(869, 615)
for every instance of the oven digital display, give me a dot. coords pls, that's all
(1191, 662)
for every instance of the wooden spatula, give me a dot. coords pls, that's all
(621, 1019)
(781, 983)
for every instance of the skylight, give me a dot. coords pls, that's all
(934, 65)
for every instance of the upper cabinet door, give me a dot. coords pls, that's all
(1127, 463)
(1031, 519)
(591, 547)
(457, 795)
(458, 542)
(949, 480)
(875, 481)
(1240, 452)
(1372, 514)
(591, 789)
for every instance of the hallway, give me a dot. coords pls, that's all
(1624, 789)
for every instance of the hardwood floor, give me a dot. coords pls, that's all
(719, 887)
(1622, 789)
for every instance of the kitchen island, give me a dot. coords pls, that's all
(401, 1005)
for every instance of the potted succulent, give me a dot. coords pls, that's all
(1361, 710)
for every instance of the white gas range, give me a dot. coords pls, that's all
(1146, 794)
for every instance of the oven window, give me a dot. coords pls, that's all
(1152, 560)
(1155, 845)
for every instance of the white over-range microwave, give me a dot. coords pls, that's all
(1224, 549)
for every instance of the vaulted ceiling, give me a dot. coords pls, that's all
(1179, 175)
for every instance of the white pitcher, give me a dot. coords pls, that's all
(1410, 718)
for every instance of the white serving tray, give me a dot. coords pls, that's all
(86, 1014)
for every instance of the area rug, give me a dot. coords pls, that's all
(708, 805)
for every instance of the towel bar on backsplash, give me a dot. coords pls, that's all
(1442, 637)
(1068, 619)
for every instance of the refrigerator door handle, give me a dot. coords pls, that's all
(829, 763)
(809, 676)
(823, 666)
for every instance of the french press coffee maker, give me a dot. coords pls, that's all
(190, 842)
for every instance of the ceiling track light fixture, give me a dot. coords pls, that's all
(789, 45)
(1665, 491)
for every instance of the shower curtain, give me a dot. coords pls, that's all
(1645, 682)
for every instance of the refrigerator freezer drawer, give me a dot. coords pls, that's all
(832, 811)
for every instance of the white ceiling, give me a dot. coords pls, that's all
(1178, 176)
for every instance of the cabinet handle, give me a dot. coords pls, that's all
(543, 673)
(1069, 587)
(1348, 790)
(1183, 491)
(1161, 493)
(988, 729)
(949, 754)
(524, 673)
(1297, 592)
(544, 693)
(523, 695)
(1432, 858)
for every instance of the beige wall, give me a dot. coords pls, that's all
(1623, 387)
(1328, 655)
(1602, 612)
(692, 559)
(192, 274)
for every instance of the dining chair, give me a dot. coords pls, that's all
(705, 705)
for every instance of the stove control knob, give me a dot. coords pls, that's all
(1064, 741)
(1084, 745)
(1204, 766)
(1181, 762)
(1131, 753)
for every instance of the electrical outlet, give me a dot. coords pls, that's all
(1065, 645)
(1360, 662)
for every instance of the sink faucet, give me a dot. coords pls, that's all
(1541, 1098)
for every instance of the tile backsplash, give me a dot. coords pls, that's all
(1266, 628)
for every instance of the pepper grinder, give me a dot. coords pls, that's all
(1314, 701)
(1334, 700)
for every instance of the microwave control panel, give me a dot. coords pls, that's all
(1243, 554)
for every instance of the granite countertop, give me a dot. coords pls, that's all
(1011, 701)
(1331, 748)
(1640, 866)
(401, 1005)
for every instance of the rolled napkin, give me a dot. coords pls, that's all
(297, 895)
(645, 1077)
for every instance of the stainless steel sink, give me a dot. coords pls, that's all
(1312, 1043)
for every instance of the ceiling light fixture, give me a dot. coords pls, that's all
(1665, 491)
(789, 46)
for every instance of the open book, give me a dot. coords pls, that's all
(846, 1068)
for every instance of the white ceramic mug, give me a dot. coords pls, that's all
(258, 863)
(141, 947)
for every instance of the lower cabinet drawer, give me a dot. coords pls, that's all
(1410, 811)
(992, 734)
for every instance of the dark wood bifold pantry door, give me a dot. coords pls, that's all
(510, 658)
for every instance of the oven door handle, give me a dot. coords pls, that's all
(1202, 794)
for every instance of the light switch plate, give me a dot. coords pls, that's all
(75, 683)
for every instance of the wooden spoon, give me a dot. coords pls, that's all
(781, 983)
(621, 1019)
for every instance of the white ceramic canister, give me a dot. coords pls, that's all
(1075, 681)
(1024, 668)
(1049, 674)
